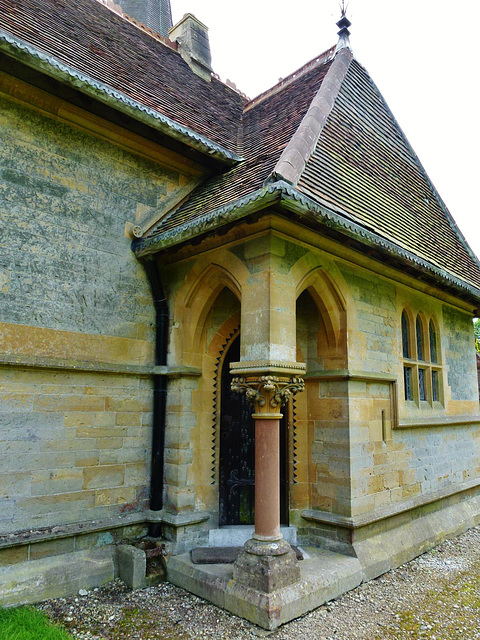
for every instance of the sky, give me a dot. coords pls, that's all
(421, 54)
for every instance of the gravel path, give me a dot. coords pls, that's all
(436, 597)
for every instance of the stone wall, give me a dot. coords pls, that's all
(77, 321)
(373, 341)
(460, 359)
(404, 451)
(75, 447)
(65, 198)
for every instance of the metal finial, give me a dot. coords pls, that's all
(344, 33)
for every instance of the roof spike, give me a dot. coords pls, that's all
(344, 33)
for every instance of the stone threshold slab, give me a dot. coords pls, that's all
(223, 555)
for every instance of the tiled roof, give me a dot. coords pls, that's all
(364, 166)
(269, 123)
(87, 36)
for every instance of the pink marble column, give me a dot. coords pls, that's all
(267, 478)
(267, 562)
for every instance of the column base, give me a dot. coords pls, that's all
(266, 567)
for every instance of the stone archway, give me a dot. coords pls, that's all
(237, 452)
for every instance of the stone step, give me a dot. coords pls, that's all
(234, 536)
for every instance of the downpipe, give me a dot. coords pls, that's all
(159, 394)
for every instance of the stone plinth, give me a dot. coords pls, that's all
(269, 569)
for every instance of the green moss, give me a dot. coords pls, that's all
(449, 611)
(140, 623)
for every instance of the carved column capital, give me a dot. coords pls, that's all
(268, 393)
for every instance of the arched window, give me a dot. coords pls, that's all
(422, 392)
(433, 342)
(407, 370)
(421, 367)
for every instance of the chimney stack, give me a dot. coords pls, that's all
(191, 36)
(155, 14)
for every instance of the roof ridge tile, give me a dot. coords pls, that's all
(302, 144)
(318, 61)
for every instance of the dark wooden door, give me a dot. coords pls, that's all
(237, 453)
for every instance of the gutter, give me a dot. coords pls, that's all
(49, 65)
(283, 193)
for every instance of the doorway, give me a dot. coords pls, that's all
(237, 453)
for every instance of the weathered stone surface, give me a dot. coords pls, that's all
(55, 576)
(73, 444)
(214, 555)
(131, 565)
(327, 574)
(266, 573)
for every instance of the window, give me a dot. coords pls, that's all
(421, 359)
(407, 370)
(433, 342)
(418, 328)
(405, 336)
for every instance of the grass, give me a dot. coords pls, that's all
(25, 623)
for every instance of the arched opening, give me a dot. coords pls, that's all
(237, 452)
(320, 455)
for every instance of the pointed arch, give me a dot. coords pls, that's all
(195, 299)
(331, 307)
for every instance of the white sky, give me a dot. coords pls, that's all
(422, 54)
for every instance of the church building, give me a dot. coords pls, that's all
(236, 330)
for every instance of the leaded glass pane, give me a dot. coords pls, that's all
(433, 343)
(435, 386)
(419, 340)
(407, 376)
(421, 384)
(406, 350)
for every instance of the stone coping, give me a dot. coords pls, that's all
(356, 522)
(346, 374)
(82, 366)
(31, 536)
(438, 421)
